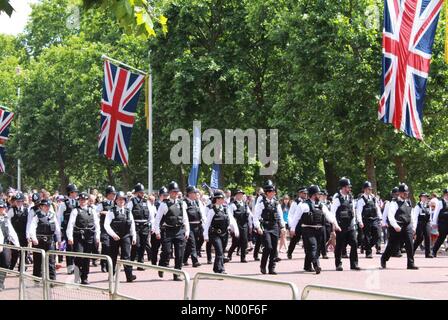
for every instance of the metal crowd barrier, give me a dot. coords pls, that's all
(205, 275)
(21, 274)
(120, 263)
(375, 295)
(52, 283)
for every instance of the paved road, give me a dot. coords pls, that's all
(429, 282)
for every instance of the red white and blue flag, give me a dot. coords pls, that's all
(121, 90)
(408, 37)
(5, 121)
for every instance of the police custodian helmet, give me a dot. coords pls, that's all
(313, 190)
(344, 182)
(268, 186)
(139, 187)
(173, 186)
(71, 188)
(110, 189)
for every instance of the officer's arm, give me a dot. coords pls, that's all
(60, 213)
(12, 234)
(330, 218)
(71, 224)
(185, 220)
(292, 213)
(96, 221)
(130, 204)
(233, 224)
(107, 221)
(335, 205)
(10, 213)
(280, 215)
(378, 210)
(258, 209)
(162, 210)
(208, 222)
(203, 211)
(393, 207)
(414, 217)
(57, 231)
(385, 213)
(99, 208)
(435, 217)
(152, 213)
(133, 232)
(359, 206)
(28, 223)
(295, 219)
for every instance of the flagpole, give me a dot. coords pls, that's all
(150, 158)
(19, 169)
(104, 57)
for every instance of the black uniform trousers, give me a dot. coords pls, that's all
(83, 244)
(208, 250)
(312, 241)
(326, 232)
(15, 254)
(372, 234)
(294, 240)
(155, 246)
(68, 247)
(270, 246)
(258, 242)
(37, 258)
(124, 245)
(200, 240)
(241, 241)
(5, 262)
(105, 240)
(172, 237)
(190, 246)
(396, 239)
(343, 238)
(443, 232)
(423, 232)
(219, 242)
(142, 231)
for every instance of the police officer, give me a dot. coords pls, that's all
(33, 208)
(18, 215)
(241, 213)
(44, 228)
(63, 214)
(369, 213)
(143, 222)
(155, 243)
(219, 222)
(328, 226)
(103, 208)
(302, 195)
(7, 236)
(343, 209)
(269, 209)
(401, 227)
(423, 218)
(172, 227)
(196, 215)
(83, 233)
(440, 219)
(312, 215)
(120, 226)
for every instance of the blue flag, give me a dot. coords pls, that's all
(214, 180)
(193, 177)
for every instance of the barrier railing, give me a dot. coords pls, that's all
(51, 283)
(204, 275)
(120, 263)
(375, 295)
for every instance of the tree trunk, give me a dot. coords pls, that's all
(182, 180)
(63, 179)
(110, 176)
(331, 177)
(370, 170)
(402, 173)
(125, 175)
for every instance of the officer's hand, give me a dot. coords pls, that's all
(186, 236)
(70, 242)
(134, 242)
(414, 235)
(338, 229)
(158, 236)
(103, 212)
(361, 225)
(97, 243)
(116, 238)
(35, 242)
(398, 229)
(260, 232)
(292, 233)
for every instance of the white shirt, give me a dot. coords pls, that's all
(417, 210)
(110, 216)
(61, 208)
(259, 209)
(12, 233)
(211, 213)
(35, 220)
(392, 209)
(232, 207)
(151, 217)
(72, 221)
(361, 203)
(163, 209)
(302, 208)
(439, 206)
(335, 204)
(385, 212)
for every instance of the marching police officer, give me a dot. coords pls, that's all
(302, 196)
(241, 213)
(7, 236)
(216, 229)
(312, 215)
(155, 243)
(119, 224)
(63, 214)
(83, 233)
(440, 219)
(196, 215)
(18, 215)
(343, 209)
(369, 213)
(270, 211)
(328, 226)
(423, 218)
(103, 208)
(43, 229)
(34, 206)
(172, 227)
(401, 227)
(143, 221)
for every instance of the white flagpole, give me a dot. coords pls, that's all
(150, 158)
(123, 64)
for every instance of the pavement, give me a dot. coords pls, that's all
(429, 282)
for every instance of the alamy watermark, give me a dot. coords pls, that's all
(234, 147)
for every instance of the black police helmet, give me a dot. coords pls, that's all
(19, 197)
(239, 191)
(445, 191)
(35, 197)
(268, 186)
(83, 196)
(121, 194)
(173, 186)
(403, 188)
(302, 189)
(324, 192)
(139, 187)
(394, 190)
(44, 202)
(110, 189)
(344, 182)
(423, 194)
(313, 190)
(192, 189)
(367, 184)
(218, 195)
(71, 188)
(163, 191)
(3, 204)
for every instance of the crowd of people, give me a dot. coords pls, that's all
(177, 224)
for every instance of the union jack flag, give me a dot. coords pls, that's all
(5, 120)
(121, 90)
(408, 37)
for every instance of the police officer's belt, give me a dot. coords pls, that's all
(141, 221)
(195, 222)
(169, 226)
(217, 231)
(316, 226)
(44, 238)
